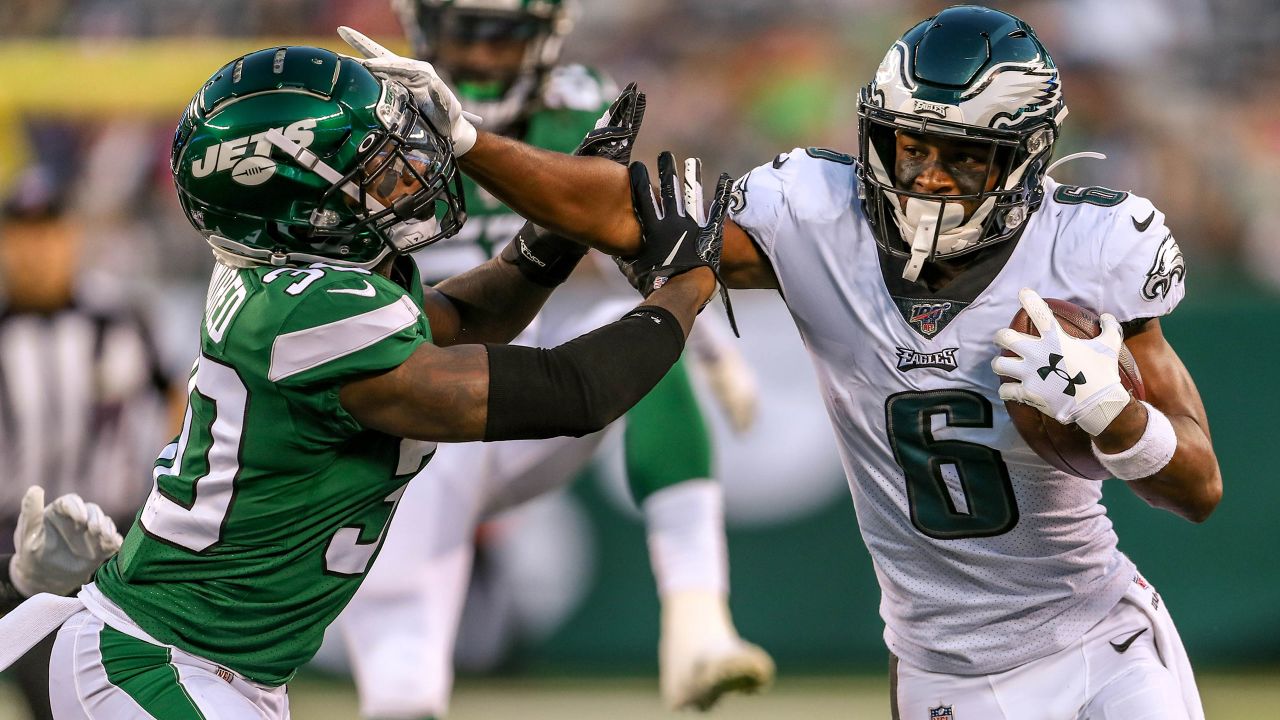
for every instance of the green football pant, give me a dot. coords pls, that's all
(666, 439)
(98, 672)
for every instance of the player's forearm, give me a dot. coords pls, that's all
(1190, 486)
(583, 198)
(497, 392)
(492, 302)
(684, 295)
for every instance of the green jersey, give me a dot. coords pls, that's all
(568, 106)
(272, 502)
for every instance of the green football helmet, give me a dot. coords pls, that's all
(293, 155)
(541, 24)
(967, 75)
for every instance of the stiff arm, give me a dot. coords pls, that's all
(589, 200)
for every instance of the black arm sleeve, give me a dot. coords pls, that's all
(583, 385)
(9, 594)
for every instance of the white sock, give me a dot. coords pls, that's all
(685, 525)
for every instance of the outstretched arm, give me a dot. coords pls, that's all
(497, 392)
(490, 303)
(587, 199)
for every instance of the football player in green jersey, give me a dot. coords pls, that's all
(502, 56)
(325, 376)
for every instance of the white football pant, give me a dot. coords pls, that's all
(1130, 666)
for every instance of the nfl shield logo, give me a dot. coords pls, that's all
(928, 316)
(942, 711)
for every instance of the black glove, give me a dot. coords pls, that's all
(677, 235)
(548, 259)
(615, 132)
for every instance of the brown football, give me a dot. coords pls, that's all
(1067, 447)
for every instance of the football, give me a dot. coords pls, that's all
(1067, 447)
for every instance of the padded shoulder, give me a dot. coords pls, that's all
(326, 323)
(1138, 263)
(577, 87)
(801, 186)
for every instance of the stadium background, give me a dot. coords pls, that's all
(1180, 94)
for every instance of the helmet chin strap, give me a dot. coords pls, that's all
(405, 236)
(930, 219)
(928, 223)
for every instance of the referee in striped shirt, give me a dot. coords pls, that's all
(83, 397)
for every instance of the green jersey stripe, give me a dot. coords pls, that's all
(303, 350)
(144, 672)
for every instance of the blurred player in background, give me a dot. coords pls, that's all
(1004, 594)
(400, 629)
(83, 395)
(323, 382)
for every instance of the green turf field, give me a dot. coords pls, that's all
(1226, 697)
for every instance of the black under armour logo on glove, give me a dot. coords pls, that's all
(1052, 367)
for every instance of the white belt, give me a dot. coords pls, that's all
(31, 622)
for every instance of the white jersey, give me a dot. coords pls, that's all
(987, 556)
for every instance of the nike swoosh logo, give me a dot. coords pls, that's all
(676, 249)
(1122, 646)
(1142, 226)
(366, 291)
(781, 160)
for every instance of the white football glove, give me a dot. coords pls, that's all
(57, 548)
(434, 98)
(729, 377)
(1070, 379)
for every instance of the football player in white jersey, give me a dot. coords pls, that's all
(1003, 592)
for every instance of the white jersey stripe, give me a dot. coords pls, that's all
(303, 350)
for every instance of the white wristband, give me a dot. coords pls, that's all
(1149, 455)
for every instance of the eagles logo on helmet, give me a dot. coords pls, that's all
(1004, 100)
(297, 154)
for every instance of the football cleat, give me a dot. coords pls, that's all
(701, 657)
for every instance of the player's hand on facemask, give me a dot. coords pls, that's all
(57, 547)
(434, 98)
(679, 234)
(614, 134)
(1072, 380)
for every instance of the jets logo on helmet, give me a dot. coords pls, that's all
(967, 75)
(343, 168)
(256, 167)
